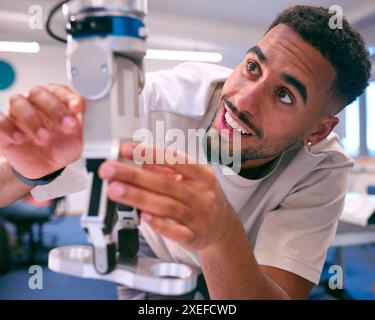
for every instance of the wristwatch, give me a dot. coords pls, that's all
(40, 181)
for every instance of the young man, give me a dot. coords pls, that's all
(261, 234)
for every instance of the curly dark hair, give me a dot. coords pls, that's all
(344, 48)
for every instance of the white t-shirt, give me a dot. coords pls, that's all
(290, 215)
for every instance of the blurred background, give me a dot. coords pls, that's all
(228, 29)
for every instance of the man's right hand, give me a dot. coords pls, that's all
(42, 132)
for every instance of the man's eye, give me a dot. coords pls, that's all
(284, 96)
(253, 68)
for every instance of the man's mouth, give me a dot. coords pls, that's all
(235, 123)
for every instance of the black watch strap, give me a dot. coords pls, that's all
(40, 181)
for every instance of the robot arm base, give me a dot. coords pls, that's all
(141, 273)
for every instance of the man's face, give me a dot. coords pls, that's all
(277, 94)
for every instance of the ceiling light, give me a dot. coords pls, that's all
(184, 55)
(26, 47)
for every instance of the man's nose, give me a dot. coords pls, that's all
(250, 97)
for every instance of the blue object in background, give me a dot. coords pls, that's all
(7, 75)
(371, 190)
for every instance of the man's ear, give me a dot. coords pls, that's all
(322, 130)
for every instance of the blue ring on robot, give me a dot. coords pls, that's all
(121, 26)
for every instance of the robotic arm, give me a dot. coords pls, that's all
(105, 51)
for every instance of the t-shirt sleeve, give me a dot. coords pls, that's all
(295, 236)
(183, 90)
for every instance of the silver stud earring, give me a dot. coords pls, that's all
(309, 144)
